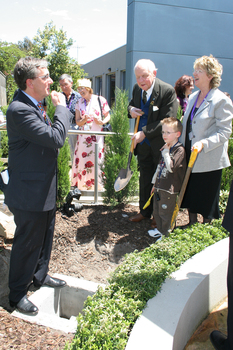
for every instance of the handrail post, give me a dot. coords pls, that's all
(96, 173)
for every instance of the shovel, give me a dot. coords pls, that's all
(180, 197)
(125, 174)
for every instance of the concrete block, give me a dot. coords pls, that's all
(58, 307)
(7, 226)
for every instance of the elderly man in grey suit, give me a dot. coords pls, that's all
(31, 191)
(152, 100)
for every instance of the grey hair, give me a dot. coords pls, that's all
(66, 76)
(27, 68)
(147, 64)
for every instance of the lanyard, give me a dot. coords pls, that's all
(68, 104)
(194, 106)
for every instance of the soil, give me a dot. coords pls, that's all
(88, 245)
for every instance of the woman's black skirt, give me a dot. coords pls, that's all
(202, 194)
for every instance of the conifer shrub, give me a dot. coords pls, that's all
(117, 148)
(63, 167)
(227, 173)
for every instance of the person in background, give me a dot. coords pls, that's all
(207, 126)
(219, 340)
(72, 97)
(168, 177)
(31, 191)
(184, 87)
(92, 112)
(152, 100)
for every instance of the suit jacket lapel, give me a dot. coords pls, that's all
(23, 98)
(205, 103)
(153, 98)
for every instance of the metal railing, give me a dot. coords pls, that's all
(85, 132)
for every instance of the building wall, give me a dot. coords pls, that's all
(3, 100)
(110, 65)
(174, 33)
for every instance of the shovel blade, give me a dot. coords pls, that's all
(122, 179)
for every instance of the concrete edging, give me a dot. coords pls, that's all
(185, 299)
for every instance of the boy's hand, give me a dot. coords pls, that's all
(152, 190)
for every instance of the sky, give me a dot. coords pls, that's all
(96, 26)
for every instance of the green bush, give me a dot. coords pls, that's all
(110, 314)
(227, 173)
(63, 167)
(4, 143)
(117, 149)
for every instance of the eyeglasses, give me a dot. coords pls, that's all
(43, 77)
(198, 71)
(81, 88)
(168, 132)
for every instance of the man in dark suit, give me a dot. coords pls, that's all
(219, 340)
(152, 100)
(31, 191)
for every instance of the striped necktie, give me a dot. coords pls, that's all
(41, 108)
(144, 97)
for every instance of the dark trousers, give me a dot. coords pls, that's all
(230, 295)
(31, 250)
(147, 166)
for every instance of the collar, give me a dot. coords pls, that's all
(149, 91)
(34, 101)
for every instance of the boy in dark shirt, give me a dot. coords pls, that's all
(168, 178)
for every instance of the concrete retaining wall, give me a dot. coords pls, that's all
(185, 299)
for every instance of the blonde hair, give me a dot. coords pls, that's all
(173, 122)
(212, 68)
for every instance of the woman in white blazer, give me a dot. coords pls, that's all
(207, 126)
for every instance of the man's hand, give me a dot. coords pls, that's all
(135, 112)
(58, 98)
(138, 137)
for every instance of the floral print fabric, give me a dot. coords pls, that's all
(83, 173)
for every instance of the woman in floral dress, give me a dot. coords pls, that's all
(88, 117)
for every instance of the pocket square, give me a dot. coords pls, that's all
(155, 108)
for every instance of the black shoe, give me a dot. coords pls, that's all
(25, 306)
(54, 282)
(219, 340)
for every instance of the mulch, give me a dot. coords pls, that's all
(88, 245)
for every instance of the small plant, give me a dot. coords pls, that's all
(223, 199)
(227, 173)
(117, 149)
(179, 113)
(62, 162)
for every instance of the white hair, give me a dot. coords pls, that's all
(146, 64)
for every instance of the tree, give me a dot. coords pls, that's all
(53, 45)
(62, 162)
(9, 55)
(117, 149)
(26, 45)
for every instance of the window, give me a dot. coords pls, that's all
(99, 86)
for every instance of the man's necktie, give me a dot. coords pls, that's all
(41, 108)
(144, 98)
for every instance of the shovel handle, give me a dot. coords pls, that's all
(135, 130)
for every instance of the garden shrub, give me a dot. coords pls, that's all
(110, 313)
(63, 160)
(116, 154)
(227, 173)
